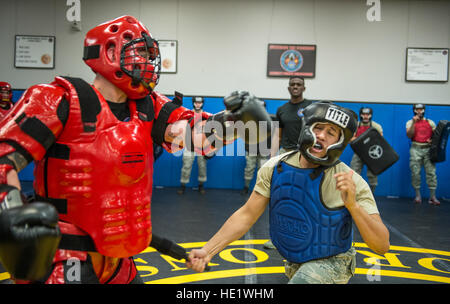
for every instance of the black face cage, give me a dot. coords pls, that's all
(138, 70)
(417, 107)
(5, 105)
(365, 111)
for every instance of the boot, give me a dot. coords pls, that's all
(201, 189)
(182, 189)
(418, 198)
(244, 191)
(434, 201)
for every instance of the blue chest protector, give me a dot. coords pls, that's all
(301, 227)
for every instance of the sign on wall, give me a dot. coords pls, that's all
(34, 52)
(284, 60)
(427, 64)
(168, 49)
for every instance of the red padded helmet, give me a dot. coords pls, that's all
(5, 91)
(133, 63)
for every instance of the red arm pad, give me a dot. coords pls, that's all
(4, 169)
(178, 114)
(159, 100)
(33, 122)
(5, 149)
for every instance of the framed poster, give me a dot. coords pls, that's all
(427, 64)
(169, 55)
(36, 52)
(284, 60)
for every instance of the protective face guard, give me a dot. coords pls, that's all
(5, 94)
(198, 107)
(140, 59)
(329, 148)
(5, 105)
(419, 107)
(326, 112)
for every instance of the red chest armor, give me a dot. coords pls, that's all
(361, 129)
(423, 131)
(104, 179)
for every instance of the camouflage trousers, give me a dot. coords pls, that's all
(188, 161)
(251, 163)
(418, 157)
(337, 269)
(357, 165)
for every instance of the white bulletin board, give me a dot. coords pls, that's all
(169, 52)
(427, 64)
(36, 52)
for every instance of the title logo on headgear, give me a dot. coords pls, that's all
(337, 116)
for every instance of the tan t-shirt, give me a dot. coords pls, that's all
(410, 122)
(376, 126)
(330, 195)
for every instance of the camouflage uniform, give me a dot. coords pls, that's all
(255, 156)
(419, 155)
(337, 269)
(188, 161)
(357, 165)
(251, 163)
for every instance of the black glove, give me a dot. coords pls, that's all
(252, 123)
(29, 238)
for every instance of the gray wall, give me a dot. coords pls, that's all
(223, 44)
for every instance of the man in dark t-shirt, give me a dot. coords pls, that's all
(287, 115)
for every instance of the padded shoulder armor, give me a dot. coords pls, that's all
(33, 123)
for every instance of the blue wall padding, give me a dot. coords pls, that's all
(227, 172)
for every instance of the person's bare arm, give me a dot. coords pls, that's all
(371, 227)
(411, 130)
(234, 228)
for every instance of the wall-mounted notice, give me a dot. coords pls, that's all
(169, 52)
(284, 60)
(36, 52)
(427, 64)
